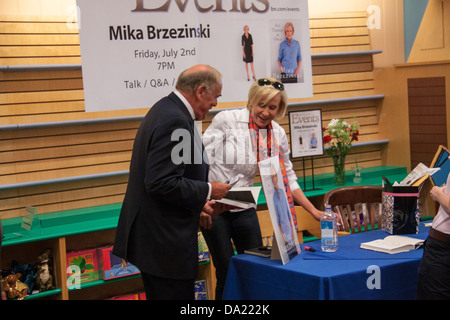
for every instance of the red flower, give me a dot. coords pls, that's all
(326, 139)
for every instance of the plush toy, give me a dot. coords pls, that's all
(13, 287)
(44, 278)
(27, 272)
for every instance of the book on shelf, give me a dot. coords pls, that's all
(241, 197)
(393, 244)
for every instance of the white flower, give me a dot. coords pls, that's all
(333, 123)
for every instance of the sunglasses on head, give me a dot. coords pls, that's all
(266, 82)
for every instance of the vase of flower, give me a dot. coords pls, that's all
(338, 137)
(339, 169)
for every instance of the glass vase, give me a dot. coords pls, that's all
(339, 169)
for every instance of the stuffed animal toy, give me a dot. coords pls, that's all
(28, 273)
(13, 287)
(44, 278)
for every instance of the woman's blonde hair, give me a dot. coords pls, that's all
(266, 92)
(289, 24)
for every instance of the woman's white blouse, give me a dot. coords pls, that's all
(228, 146)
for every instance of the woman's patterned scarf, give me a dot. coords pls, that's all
(266, 148)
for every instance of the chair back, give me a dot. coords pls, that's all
(356, 207)
(305, 222)
(265, 224)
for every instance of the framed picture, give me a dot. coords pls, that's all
(306, 133)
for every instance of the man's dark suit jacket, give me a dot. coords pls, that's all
(157, 229)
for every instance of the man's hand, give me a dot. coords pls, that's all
(205, 220)
(208, 208)
(212, 209)
(219, 190)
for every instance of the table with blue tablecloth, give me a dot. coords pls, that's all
(349, 273)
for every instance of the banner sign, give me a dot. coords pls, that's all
(132, 51)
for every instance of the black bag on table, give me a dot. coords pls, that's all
(400, 213)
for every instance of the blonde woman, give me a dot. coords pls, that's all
(247, 51)
(235, 141)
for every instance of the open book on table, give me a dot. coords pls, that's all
(393, 244)
(242, 197)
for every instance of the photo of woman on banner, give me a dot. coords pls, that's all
(247, 51)
(289, 56)
(277, 202)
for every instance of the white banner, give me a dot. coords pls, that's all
(132, 51)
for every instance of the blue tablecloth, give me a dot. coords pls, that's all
(349, 273)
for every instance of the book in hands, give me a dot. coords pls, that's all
(393, 244)
(242, 197)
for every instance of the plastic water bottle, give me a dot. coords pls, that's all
(328, 226)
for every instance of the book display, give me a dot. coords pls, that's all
(78, 264)
(114, 267)
(83, 266)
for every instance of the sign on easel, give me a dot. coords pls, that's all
(306, 138)
(285, 244)
(306, 133)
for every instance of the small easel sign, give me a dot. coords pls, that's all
(30, 221)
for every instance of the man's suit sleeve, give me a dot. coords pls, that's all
(178, 184)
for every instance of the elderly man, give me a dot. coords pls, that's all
(168, 188)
